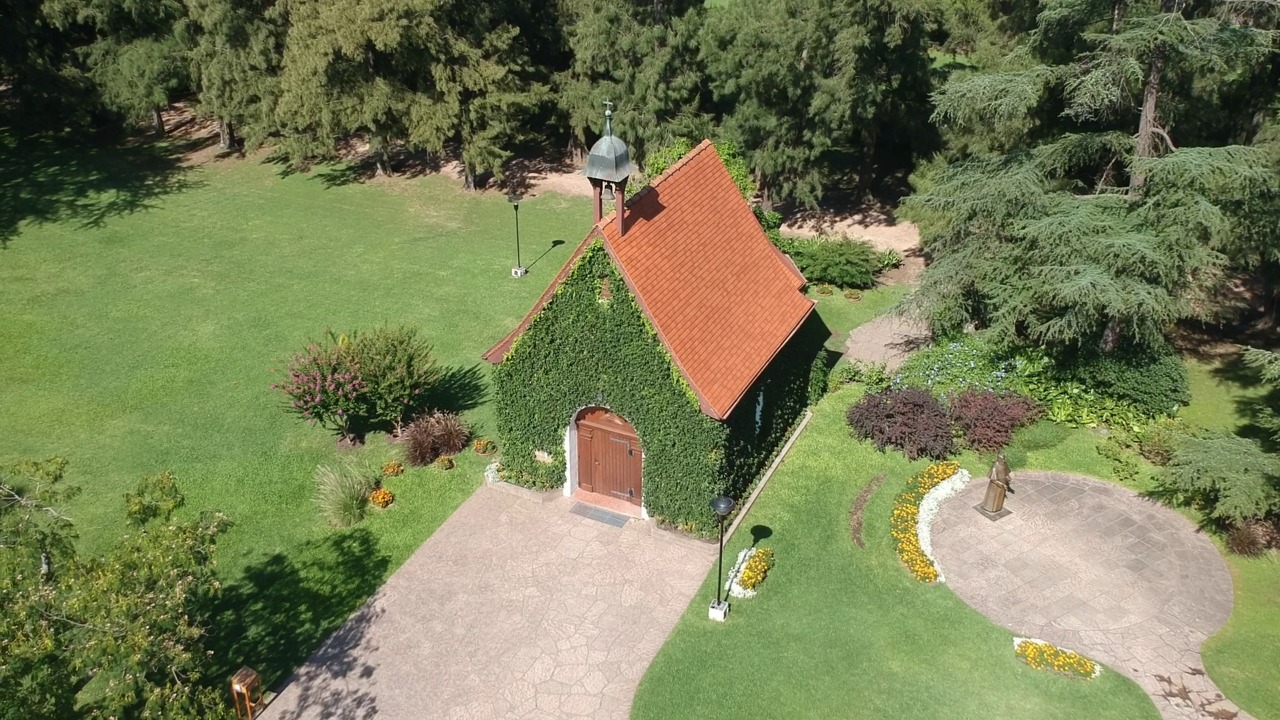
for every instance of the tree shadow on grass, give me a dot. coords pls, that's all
(55, 178)
(1253, 410)
(284, 607)
(461, 388)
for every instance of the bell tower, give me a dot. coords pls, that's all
(608, 167)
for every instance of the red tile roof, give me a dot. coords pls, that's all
(722, 298)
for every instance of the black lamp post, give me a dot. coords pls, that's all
(722, 505)
(519, 270)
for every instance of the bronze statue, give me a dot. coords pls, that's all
(997, 485)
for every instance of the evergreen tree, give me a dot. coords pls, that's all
(642, 55)
(135, 56)
(1076, 219)
(808, 89)
(235, 63)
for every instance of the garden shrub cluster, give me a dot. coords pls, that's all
(356, 382)
(841, 262)
(917, 423)
(1080, 391)
(906, 512)
(987, 419)
(910, 420)
(579, 352)
(1046, 656)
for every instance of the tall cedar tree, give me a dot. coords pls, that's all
(1080, 217)
(808, 88)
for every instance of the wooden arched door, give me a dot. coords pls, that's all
(609, 455)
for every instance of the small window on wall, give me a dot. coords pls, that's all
(759, 410)
(604, 289)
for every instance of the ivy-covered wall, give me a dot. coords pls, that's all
(583, 349)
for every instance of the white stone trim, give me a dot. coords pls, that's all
(731, 585)
(928, 509)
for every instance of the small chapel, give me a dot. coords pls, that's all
(671, 355)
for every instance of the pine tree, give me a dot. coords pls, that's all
(642, 55)
(135, 56)
(236, 52)
(807, 88)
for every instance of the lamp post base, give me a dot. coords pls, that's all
(518, 271)
(718, 610)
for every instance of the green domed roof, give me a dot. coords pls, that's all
(610, 160)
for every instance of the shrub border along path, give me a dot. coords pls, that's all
(1092, 566)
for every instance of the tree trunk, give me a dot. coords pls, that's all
(384, 161)
(158, 120)
(1111, 335)
(468, 177)
(766, 201)
(226, 135)
(1117, 15)
(1146, 144)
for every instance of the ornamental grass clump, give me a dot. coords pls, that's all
(1045, 656)
(433, 435)
(756, 568)
(906, 513)
(342, 492)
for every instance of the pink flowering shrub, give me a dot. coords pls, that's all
(350, 383)
(323, 386)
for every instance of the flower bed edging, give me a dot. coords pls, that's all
(1043, 655)
(929, 507)
(904, 523)
(734, 584)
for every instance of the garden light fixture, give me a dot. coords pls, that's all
(722, 505)
(519, 270)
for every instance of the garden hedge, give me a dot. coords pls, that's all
(585, 348)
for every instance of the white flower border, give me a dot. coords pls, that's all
(731, 585)
(928, 509)
(1097, 666)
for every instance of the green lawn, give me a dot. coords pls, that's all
(144, 311)
(843, 632)
(843, 315)
(1244, 657)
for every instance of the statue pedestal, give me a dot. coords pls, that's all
(992, 516)
(718, 611)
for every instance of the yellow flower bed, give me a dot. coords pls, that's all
(381, 497)
(1044, 656)
(756, 568)
(906, 508)
(391, 468)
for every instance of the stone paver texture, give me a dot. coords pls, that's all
(514, 608)
(1095, 568)
(888, 339)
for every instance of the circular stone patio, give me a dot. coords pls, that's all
(1093, 567)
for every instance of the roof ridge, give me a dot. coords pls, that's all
(664, 175)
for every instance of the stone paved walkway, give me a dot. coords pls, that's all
(514, 608)
(888, 339)
(1095, 568)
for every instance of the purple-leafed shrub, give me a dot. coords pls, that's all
(910, 420)
(987, 419)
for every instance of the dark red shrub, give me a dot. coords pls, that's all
(910, 420)
(987, 419)
(430, 436)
